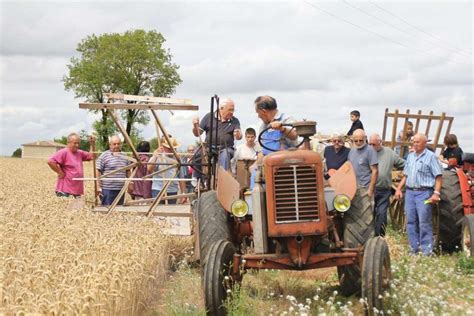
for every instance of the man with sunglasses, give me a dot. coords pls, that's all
(364, 161)
(335, 155)
(388, 160)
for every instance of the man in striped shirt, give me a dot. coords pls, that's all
(422, 173)
(111, 160)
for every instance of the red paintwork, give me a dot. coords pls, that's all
(466, 182)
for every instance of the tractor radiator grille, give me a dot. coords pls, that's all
(296, 194)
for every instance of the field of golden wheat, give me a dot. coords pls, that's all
(54, 260)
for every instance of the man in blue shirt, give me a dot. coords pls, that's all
(422, 172)
(335, 155)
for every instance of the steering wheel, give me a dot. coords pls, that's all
(261, 138)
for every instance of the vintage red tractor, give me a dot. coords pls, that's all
(291, 219)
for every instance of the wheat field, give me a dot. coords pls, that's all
(57, 261)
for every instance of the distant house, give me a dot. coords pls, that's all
(40, 149)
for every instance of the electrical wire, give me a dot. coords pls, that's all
(404, 31)
(419, 29)
(380, 35)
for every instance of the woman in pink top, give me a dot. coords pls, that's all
(67, 163)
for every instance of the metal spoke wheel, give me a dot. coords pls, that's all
(376, 274)
(217, 277)
(468, 235)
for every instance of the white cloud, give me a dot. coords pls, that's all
(316, 66)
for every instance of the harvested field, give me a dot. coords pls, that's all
(53, 260)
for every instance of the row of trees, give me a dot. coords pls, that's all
(134, 62)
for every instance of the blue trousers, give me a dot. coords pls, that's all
(381, 200)
(419, 224)
(108, 197)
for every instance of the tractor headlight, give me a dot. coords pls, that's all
(342, 203)
(239, 208)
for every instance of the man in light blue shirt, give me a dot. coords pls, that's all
(422, 173)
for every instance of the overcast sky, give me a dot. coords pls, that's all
(319, 59)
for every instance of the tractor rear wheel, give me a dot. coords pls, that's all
(468, 235)
(450, 214)
(213, 223)
(217, 276)
(376, 274)
(358, 228)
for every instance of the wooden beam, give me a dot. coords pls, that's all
(169, 197)
(165, 135)
(405, 125)
(157, 200)
(127, 138)
(145, 98)
(385, 124)
(417, 125)
(130, 166)
(394, 129)
(121, 193)
(421, 116)
(428, 125)
(162, 210)
(128, 106)
(438, 130)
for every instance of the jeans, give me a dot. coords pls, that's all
(382, 200)
(419, 224)
(154, 194)
(108, 197)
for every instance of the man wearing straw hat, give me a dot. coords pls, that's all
(161, 161)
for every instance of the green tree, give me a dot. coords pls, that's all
(17, 153)
(134, 62)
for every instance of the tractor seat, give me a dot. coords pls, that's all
(468, 157)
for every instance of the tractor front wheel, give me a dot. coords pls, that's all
(376, 274)
(213, 223)
(358, 225)
(217, 277)
(468, 235)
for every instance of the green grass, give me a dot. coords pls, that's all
(427, 285)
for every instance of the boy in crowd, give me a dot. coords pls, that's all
(247, 150)
(356, 123)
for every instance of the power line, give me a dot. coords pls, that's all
(419, 29)
(377, 34)
(402, 30)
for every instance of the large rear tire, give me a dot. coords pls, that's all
(468, 235)
(217, 277)
(213, 223)
(451, 213)
(376, 274)
(358, 228)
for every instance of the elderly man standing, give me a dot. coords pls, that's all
(364, 161)
(67, 163)
(226, 125)
(421, 174)
(111, 160)
(388, 160)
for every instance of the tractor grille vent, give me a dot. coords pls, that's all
(296, 194)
